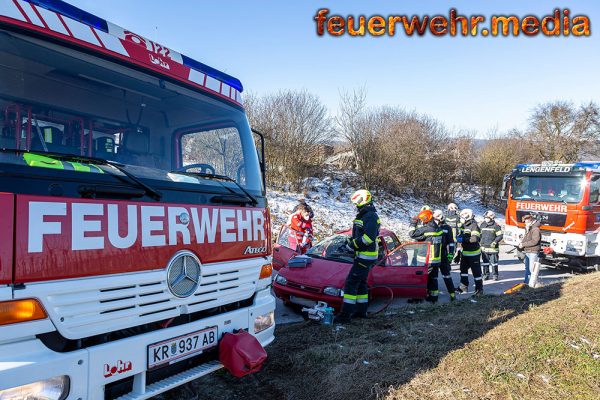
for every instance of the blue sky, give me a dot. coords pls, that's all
(468, 83)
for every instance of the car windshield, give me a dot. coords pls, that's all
(54, 99)
(332, 248)
(568, 189)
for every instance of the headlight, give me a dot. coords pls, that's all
(332, 291)
(263, 322)
(281, 279)
(56, 388)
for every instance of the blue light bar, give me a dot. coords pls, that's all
(73, 12)
(222, 76)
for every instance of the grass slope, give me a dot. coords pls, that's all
(535, 344)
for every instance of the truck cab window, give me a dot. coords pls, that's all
(595, 189)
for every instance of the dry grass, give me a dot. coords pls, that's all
(536, 344)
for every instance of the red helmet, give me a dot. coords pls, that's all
(425, 216)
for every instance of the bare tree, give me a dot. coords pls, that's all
(560, 131)
(295, 124)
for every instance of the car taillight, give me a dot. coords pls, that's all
(15, 311)
(266, 271)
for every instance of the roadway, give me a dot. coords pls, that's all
(511, 272)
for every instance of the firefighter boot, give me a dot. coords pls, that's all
(342, 318)
(361, 311)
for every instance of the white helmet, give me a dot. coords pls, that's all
(452, 207)
(489, 214)
(438, 215)
(466, 214)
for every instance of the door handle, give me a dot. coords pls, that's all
(419, 272)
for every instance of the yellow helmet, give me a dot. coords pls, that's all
(361, 198)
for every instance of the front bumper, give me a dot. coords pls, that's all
(30, 361)
(284, 292)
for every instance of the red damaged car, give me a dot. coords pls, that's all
(319, 275)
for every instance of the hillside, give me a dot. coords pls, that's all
(329, 196)
(536, 344)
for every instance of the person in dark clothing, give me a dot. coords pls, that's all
(365, 231)
(447, 249)
(531, 244)
(430, 232)
(469, 237)
(452, 220)
(491, 235)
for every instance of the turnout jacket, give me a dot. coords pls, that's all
(447, 238)
(432, 233)
(453, 221)
(471, 235)
(491, 235)
(365, 231)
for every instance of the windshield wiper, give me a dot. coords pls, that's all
(223, 178)
(153, 193)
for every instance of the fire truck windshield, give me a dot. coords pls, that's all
(567, 189)
(55, 99)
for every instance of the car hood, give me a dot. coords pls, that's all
(320, 273)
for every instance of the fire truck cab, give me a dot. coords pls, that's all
(134, 225)
(565, 200)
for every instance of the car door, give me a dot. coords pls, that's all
(403, 271)
(284, 248)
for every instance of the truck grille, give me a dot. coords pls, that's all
(92, 306)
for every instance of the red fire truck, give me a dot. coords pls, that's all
(134, 227)
(565, 200)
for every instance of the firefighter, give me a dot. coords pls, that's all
(469, 237)
(365, 230)
(430, 232)
(447, 255)
(491, 235)
(452, 219)
(301, 227)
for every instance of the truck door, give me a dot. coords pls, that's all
(285, 248)
(403, 271)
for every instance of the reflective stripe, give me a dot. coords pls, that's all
(350, 298)
(446, 276)
(488, 229)
(498, 233)
(358, 222)
(434, 293)
(366, 239)
(479, 279)
(366, 257)
(471, 253)
(354, 243)
(362, 298)
(439, 233)
(475, 233)
(464, 275)
(490, 249)
(379, 221)
(466, 231)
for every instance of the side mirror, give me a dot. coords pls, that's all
(505, 186)
(261, 156)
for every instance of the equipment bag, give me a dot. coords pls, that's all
(241, 354)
